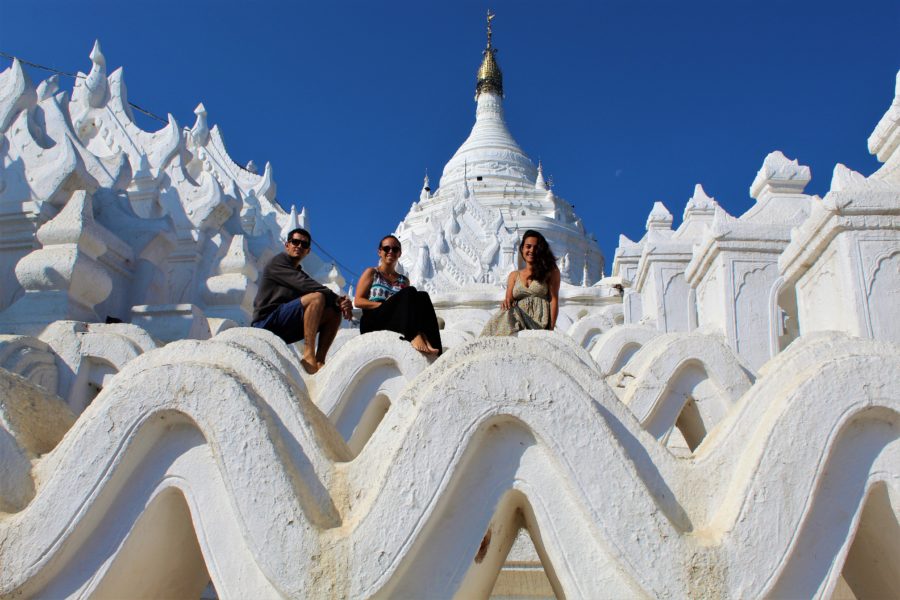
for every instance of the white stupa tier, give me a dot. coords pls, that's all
(467, 232)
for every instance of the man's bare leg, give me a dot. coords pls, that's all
(313, 305)
(331, 322)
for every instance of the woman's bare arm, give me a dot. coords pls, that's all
(510, 283)
(363, 287)
(554, 298)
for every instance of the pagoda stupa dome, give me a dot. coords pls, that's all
(490, 150)
(466, 233)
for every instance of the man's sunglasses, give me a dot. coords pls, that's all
(299, 242)
(389, 249)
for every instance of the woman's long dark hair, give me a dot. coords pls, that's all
(544, 261)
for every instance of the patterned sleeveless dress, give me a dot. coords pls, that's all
(382, 289)
(530, 310)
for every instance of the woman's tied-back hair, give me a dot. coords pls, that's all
(390, 236)
(544, 261)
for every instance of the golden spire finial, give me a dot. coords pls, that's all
(490, 79)
(490, 17)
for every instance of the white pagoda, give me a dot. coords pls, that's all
(467, 231)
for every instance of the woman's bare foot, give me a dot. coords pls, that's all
(420, 344)
(310, 366)
(320, 364)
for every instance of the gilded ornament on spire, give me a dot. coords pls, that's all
(490, 79)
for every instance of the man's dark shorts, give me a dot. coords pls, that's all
(286, 321)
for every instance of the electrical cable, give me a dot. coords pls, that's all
(336, 261)
(76, 76)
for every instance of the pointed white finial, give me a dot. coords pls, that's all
(251, 166)
(292, 223)
(96, 55)
(143, 169)
(200, 131)
(659, 217)
(302, 219)
(539, 183)
(96, 80)
(700, 203)
(425, 194)
(48, 87)
(779, 174)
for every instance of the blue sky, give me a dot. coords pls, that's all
(626, 103)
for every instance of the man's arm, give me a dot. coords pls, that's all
(284, 274)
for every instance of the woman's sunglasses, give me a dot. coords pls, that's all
(389, 249)
(299, 242)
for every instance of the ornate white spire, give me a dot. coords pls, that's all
(700, 203)
(291, 224)
(490, 150)
(200, 131)
(659, 217)
(467, 232)
(96, 80)
(779, 174)
(539, 183)
(425, 194)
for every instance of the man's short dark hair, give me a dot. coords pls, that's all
(301, 231)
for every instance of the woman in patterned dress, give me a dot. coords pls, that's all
(389, 303)
(532, 293)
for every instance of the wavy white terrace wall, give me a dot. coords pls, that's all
(491, 453)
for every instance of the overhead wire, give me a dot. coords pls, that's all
(160, 119)
(336, 261)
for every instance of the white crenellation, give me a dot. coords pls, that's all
(63, 279)
(167, 195)
(843, 263)
(885, 139)
(230, 291)
(734, 269)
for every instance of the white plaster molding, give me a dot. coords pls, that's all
(32, 421)
(616, 347)
(885, 139)
(30, 358)
(650, 379)
(62, 279)
(587, 329)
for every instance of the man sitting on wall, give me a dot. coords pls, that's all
(295, 307)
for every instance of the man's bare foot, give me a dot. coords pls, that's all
(320, 363)
(309, 367)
